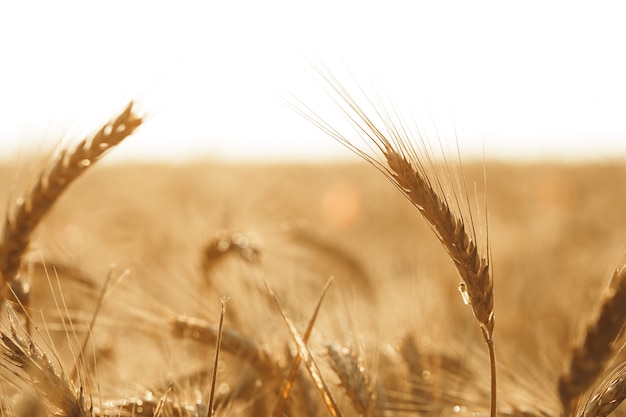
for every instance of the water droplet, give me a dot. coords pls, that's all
(463, 290)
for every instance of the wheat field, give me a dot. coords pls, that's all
(123, 282)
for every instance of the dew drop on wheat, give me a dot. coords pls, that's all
(464, 294)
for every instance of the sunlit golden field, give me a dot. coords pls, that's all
(465, 258)
(175, 239)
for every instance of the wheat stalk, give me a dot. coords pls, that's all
(52, 182)
(590, 357)
(216, 361)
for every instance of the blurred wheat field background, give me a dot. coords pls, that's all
(162, 244)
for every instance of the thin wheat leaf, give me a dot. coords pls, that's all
(308, 360)
(287, 384)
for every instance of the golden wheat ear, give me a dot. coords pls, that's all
(52, 182)
(224, 244)
(231, 341)
(589, 359)
(407, 161)
(610, 395)
(51, 390)
(355, 380)
(402, 155)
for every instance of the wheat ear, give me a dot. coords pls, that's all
(69, 165)
(231, 341)
(410, 167)
(589, 358)
(355, 381)
(24, 358)
(218, 247)
(609, 397)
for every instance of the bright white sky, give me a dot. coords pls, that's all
(527, 79)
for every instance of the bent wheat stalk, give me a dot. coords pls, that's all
(409, 165)
(69, 165)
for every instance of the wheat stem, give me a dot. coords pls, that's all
(216, 362)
